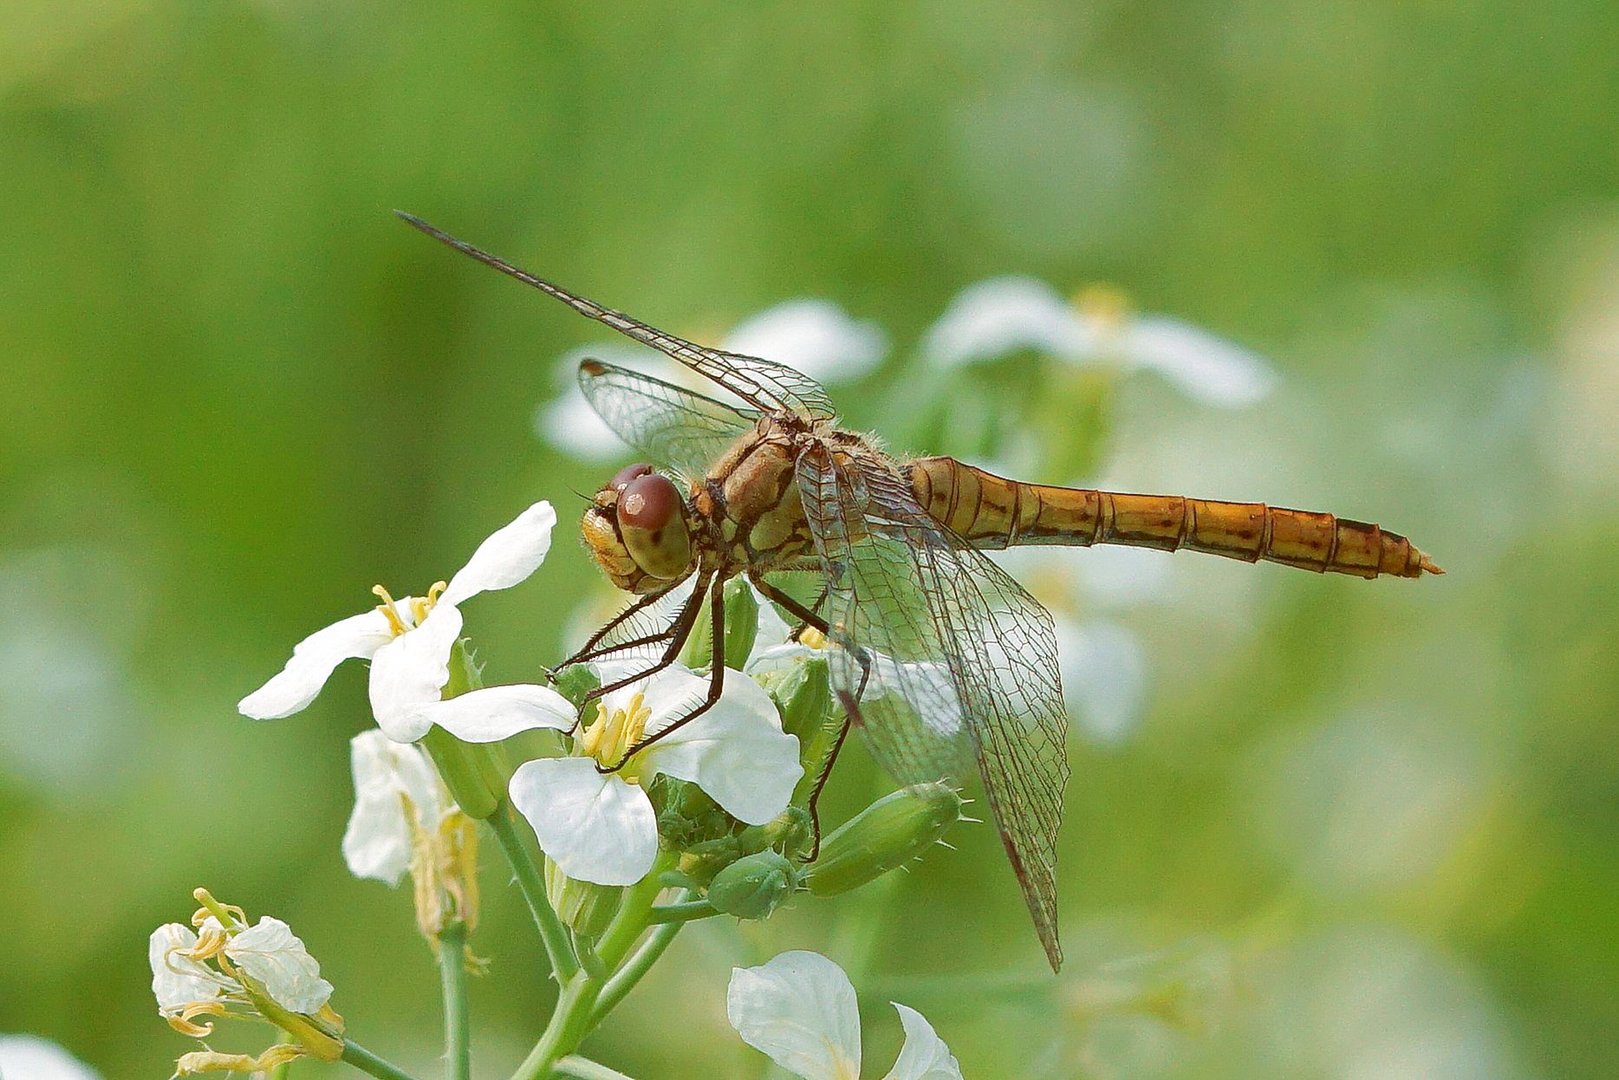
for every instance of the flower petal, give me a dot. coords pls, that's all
(1004, 315)
(178, 980)
(508, 556)
(499, 712)
(271, 953)
(1207, 368)
(1104, 678)
(411, 670)
(924, 1055)
(816, 337)
(28, 1057)
(594, 826)
(800, 1009)
(736, 751)
(312, 663)
(377, 842)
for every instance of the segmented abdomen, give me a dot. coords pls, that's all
(993, 512)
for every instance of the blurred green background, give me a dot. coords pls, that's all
(1361, 829)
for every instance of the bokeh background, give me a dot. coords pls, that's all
(1351, 829)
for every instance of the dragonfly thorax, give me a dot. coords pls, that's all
(639, 530)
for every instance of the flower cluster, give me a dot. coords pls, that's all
(696, 776)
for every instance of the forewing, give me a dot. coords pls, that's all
(668, 423)
(764, 384)
(971, 655)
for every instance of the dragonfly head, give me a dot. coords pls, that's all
(637, 529)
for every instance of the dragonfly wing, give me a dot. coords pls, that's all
(671, 425)
(764, 384)
(961, 659)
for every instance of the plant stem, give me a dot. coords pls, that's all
(367, 1062)
(682, 912)
(558, 946)
(452, 966)
(625, 978)
(569, 1024)
(585, 1069)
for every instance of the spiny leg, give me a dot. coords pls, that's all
(716, 680)
(850, 703)
(677, 634)
(589, 650)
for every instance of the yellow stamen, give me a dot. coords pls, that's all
(811, 637)
(396, 625)
(1104, 303)
(609, 737)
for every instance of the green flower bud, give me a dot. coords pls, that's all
(741, 622)
(476, 774)
(890, 832)
(583, 905)
(575, 682)
(754, 886)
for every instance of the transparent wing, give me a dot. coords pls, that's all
(957, 660)
(671, 425)
(764, 384)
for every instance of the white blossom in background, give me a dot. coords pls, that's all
(397, 796)
(409, 640)
(600, 827)
(817, 337)
(1102, 661)
(29, 1057)
(1005, 315)
(800, 1010)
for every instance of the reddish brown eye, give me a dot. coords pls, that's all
(649, 501)
(622, 478)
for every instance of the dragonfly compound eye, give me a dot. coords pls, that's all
(622, 478)
(652, 520)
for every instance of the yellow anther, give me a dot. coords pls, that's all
(609, 737)
(395, 624)
(1107, 304)
(812, 638)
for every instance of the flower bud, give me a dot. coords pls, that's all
(741, 622)
(754, 886)
(475, 773)
(890, 832)
(575, 682)
(583, 905)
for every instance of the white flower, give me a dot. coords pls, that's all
(800, 1009)
(600, 827)
(568, 422)
(28, 1057)
(408, 641)
(816, 337)
(1008, 314)
(269, 953)
(377, 843)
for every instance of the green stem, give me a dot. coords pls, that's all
(575, 1014)
(569, 1024)
(685, 911)
(585, 1069)
(367, 1062)
(452, 967)
(558, 946)
(625, 978)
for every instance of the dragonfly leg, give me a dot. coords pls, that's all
(808, 616)
(589, 649)
(716, 680)
(814, 801)
(677, 634)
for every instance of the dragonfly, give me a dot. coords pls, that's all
(945, 664)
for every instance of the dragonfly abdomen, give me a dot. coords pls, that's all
(993, 512)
